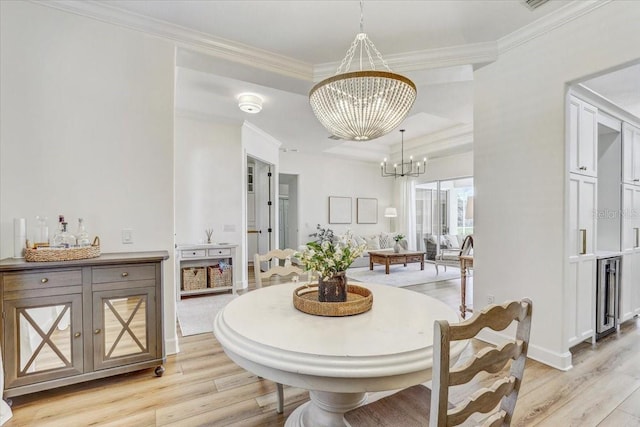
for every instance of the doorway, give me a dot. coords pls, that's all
(444, 212)
(261, 215)
(288, 211)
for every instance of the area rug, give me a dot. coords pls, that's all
(196, 314)
(400, 276)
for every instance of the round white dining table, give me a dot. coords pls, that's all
(338, 359)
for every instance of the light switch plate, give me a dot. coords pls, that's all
(127, 236)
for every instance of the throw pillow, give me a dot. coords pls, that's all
(386, 240)
(359, 240)
(452, 241)
(373, 242)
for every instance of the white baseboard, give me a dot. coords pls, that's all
(561, 361)
(171, 346)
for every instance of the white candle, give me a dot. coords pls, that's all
(19, 237)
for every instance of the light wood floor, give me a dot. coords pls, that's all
(202, 387)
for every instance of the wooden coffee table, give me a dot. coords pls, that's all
(389, 258)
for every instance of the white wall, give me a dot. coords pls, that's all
(324, 176)
(520, 164)
(449, 167)
(207, 180)
(87, 131)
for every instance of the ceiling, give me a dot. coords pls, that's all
(622, 87)
(278, 49)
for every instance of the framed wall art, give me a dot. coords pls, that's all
(339, 210)
(367, 211)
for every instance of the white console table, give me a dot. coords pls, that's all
(205, 255)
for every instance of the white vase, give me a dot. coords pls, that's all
(397, 248)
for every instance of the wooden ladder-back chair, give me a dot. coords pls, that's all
(288, 269)
(410, 407)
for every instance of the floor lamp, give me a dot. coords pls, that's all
(390, 213)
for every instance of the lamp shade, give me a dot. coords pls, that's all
(390, 213)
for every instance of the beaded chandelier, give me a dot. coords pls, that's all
(362, 105)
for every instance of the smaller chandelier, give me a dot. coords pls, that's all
(362, 105)
(404, 168)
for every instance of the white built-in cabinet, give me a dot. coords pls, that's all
(604, 197)
(583, 137)
(630, 278)
(630, 154)
(581, 288)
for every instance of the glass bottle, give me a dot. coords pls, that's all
(64, 239)
(82, 237)
(41, 235)
(57, 236)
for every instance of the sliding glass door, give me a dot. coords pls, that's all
(444, 214)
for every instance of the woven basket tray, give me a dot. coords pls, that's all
(220, 277)
(359, 300)
(194, 278)
(44, 254)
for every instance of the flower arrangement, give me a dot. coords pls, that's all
(328, 254)
(398, 237)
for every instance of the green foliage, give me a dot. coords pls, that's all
(329, 254)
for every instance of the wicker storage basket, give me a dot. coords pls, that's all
(46, 254)
(220, 277)
(194, 278)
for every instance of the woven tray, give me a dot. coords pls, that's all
(45, 254)
(359, 300)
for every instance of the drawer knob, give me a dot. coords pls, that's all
(194, 253)
(97, 331)
(125, 274)
(77, 334)
(44, 280)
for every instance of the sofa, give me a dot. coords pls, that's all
(375, 242)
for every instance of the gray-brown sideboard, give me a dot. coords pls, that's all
(73, 321)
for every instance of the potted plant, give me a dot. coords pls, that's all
(399, 238)
(330, 256)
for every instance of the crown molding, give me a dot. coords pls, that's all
(267, 137)
(565, 14)
(475, 54)
(470, 54)
(432, 144)
(185, 37)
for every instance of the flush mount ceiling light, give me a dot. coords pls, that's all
(250, 103)
(362, 105)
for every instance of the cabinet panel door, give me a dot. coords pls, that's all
(588, 139)
(582, 218)
(583, 137)
(630, 199)
(580, 293)
(574, 126)
(571, 310)
(628, 281)
(630, 154)
(48, 331)
(124, 323)
(586, 294)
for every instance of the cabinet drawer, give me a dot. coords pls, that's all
(218, 252)
(124, 273)
(42, 279)
(194, 253)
